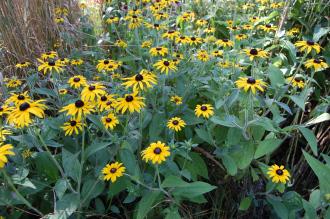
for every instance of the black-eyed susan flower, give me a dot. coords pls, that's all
(5, 109)
(63, 61)
(178, 55)
(110, 121)
(3, 133)
(146, 44)
(209, 30)
(77, 81)
(254, 53)
(130, 102)
(158, 51)
(121, 44)
(176, 99)
(49, 66)
(240, 36)
(76, 62)
(73, 126)
(21, 114)
(247, 27)
(134, 21)
(195, 40)
(78, 109)
(92, 91)
(268, 27)
(171, 34)
(249, 83)
(106, 102)
(113, 171)
(224, 43)
(205, 110)
(154, 26)
(278, 174)
(176, 124)
(12, 83)
(49, 55)
(182, 39)
(203, 55)
(201, 22)
(23, 65)
(210, 39)
(141, 81)
(5, 150)
(217, 53)
(62, 91)
(107, 65)
(293, 31)
(234, 28)
(59, 20)
(112, 20)
(317, 64)
(225, 64)
(160, 15)
(229, 22)
(295, 82)
(165, 65)
(254, 19)
(157, 153)
(308, 46)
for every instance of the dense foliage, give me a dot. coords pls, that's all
(171, 109)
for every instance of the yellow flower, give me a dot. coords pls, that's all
(12, 83)
(49, 66)
(77, 81)
(107, 65)
(160, 15)
(308, 46)
(234, 28)
(278, 174)
(92, 92)
(209, 30)
(121, 44)
(171, 34)
(254, 19)
(3, 133)
(21, 114)
(203, 56)
(146, 44)
(63, 61)
(106, 102)
(78, 109)
(241, 36)
(72, 126)
(217, 53)
(110, 121)
(82, 6)
(195, 40)
(62, 91)
(201, 22)
(158, 51)
(250, 84)
(156, 152)
(176, 124)
(165, 65)
(22, 64)
(178, 56)
(247, 27)
(253, 53)
(224, 43)
(5, 150)
(225, 64)
(59, 20)
(182, 40)
(77, 62)
(176, 99)
(49, 55)
(113, 171)
(27, 153)
(130, 102)
(268, 27)
(317, 64)
(296, 82)
(205, 110)
(112, 20)
(5, 110)
(293, 31)
(154, 26)
(134, 21)
(141, 81)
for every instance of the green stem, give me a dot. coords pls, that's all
(19, 195)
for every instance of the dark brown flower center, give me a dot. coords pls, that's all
(24, 106)
(73, 123)
(254, 52)
(91, 88)
(166, 63)
(108, 120)
(51, 63)
(268, 25)
(225, 40)
(158, 48)
(297, 79)
(251, 80)
(76, 79)
(317, 61)
(134, 16)
(157, 150)
(109, 103)
(170, 32)
(106, 62)
(156, 25)
(182, 37)
(79, 103)
(175, 122)
(113, 170)
(193, 38)
(138, 77)
(1, 109)
(21, 97)
(310, 42)
(22, 63)
(279, 172)
(129, 98)
(203, 108)
(104, 98)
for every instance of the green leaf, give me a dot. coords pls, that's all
(230, 164)
(276, 76)
(226, 122)
(204, 135)
(310, 212)
(300, 101)
(95, 147)
(194, 189)
(91, 189)
(173, 181)
(320, 32)
(280, 209)
(245, 203)
(267, 146)
(321, 118)
(129, 161)
(66, 206)
(321, 170)
(46, 166)
(310, 137)
(71, 164)
(172, 213)
(145, 204)
(121, 184)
